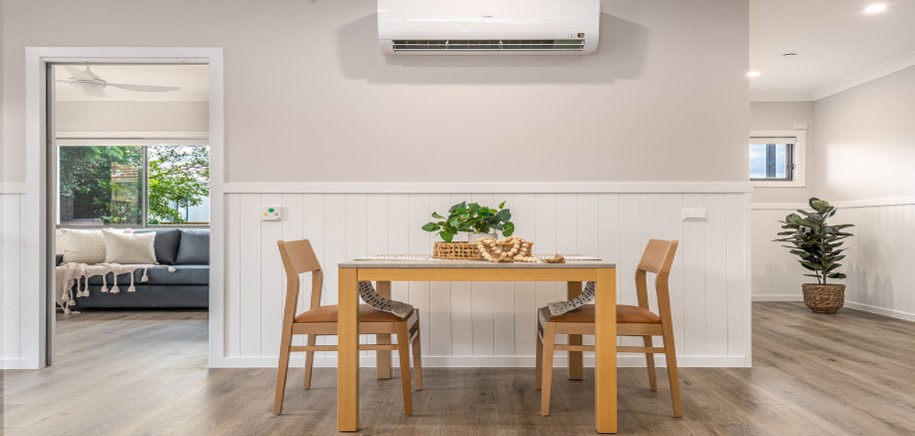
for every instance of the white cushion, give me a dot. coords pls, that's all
(83, 246)
(130, 248)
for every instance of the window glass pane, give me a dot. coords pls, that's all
(179, 184)
(770, 161)
(101, 185)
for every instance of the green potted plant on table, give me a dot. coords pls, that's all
(478, 221)
(817, 244)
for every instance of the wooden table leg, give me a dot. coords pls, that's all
(348, 351)
(576, 365)
(383, 357)
(605, 407)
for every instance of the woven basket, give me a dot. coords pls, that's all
(824, 298)
(456, 250)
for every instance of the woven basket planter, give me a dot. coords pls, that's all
(456, 250)
(824, 298)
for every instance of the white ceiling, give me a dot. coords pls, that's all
(834, 40)
(192, 79)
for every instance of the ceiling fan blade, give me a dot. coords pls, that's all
(77, 73)
(144, 88)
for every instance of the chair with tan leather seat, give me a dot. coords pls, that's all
(299, 258)
(630, 321)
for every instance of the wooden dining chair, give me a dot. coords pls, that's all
(630, 321)
(299, 258)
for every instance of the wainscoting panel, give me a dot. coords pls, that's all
(881, 278)
(493, 324)
(10, 280)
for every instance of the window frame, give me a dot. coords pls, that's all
(798, 158)
(133, 142)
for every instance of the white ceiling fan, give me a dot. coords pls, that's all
(93, 85)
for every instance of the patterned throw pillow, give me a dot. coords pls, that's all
(84, 246)
(130, 248)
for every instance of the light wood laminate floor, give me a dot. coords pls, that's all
(145, 373)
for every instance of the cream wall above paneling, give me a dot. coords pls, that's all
(309, 97)
(492, 324)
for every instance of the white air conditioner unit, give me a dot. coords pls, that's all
(474, 27)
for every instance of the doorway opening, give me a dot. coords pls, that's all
(129, 200)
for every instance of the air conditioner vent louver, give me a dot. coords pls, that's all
(519, 45)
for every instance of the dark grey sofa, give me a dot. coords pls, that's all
(187, 251)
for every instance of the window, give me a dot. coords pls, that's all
(133, 185)
(777, 159)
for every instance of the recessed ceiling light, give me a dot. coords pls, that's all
(753, 74)
(875, 8)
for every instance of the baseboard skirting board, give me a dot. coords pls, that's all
(13, 363)
(486, 361)
(778, 297)
(880, 311)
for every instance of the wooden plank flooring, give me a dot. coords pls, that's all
(145, 373)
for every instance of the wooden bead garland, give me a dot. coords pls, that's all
(512, 249)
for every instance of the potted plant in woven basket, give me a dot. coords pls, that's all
(475, 220)
(818, 247)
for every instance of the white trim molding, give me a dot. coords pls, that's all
(885, 69)
(34, 305)
(488, 188)
(880, 311)
(851, 204)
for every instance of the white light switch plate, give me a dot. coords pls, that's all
(695, 214)
(271, 213)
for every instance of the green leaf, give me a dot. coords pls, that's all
(431, 227)
(436, 215)
(508, 229)
(502, 205)
(447, 236)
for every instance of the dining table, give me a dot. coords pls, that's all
(386, 269)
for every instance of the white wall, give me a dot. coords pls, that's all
(782, 116)
(309, 99)
(131, 116)
(866, 140)
(863, 157)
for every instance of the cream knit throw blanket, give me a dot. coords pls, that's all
(69, 274)
(560, 307)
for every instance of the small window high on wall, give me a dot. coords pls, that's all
(133, 185)
(777, 159)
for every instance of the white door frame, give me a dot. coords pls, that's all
(34, 304)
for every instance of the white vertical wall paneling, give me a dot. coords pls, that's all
(293, 229)
(694, 333)
(420, 242)
(878, 259)
(10, 255)
(233, 275)
(271, 279)
(503, 304)
(461, 307)
(439, 329)
(672, 229)
(716, 291)
(482, 302)
(525, 308)
(356, 237)
(735, 258)
(250, 274)
(494, 323)
(545, 242)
